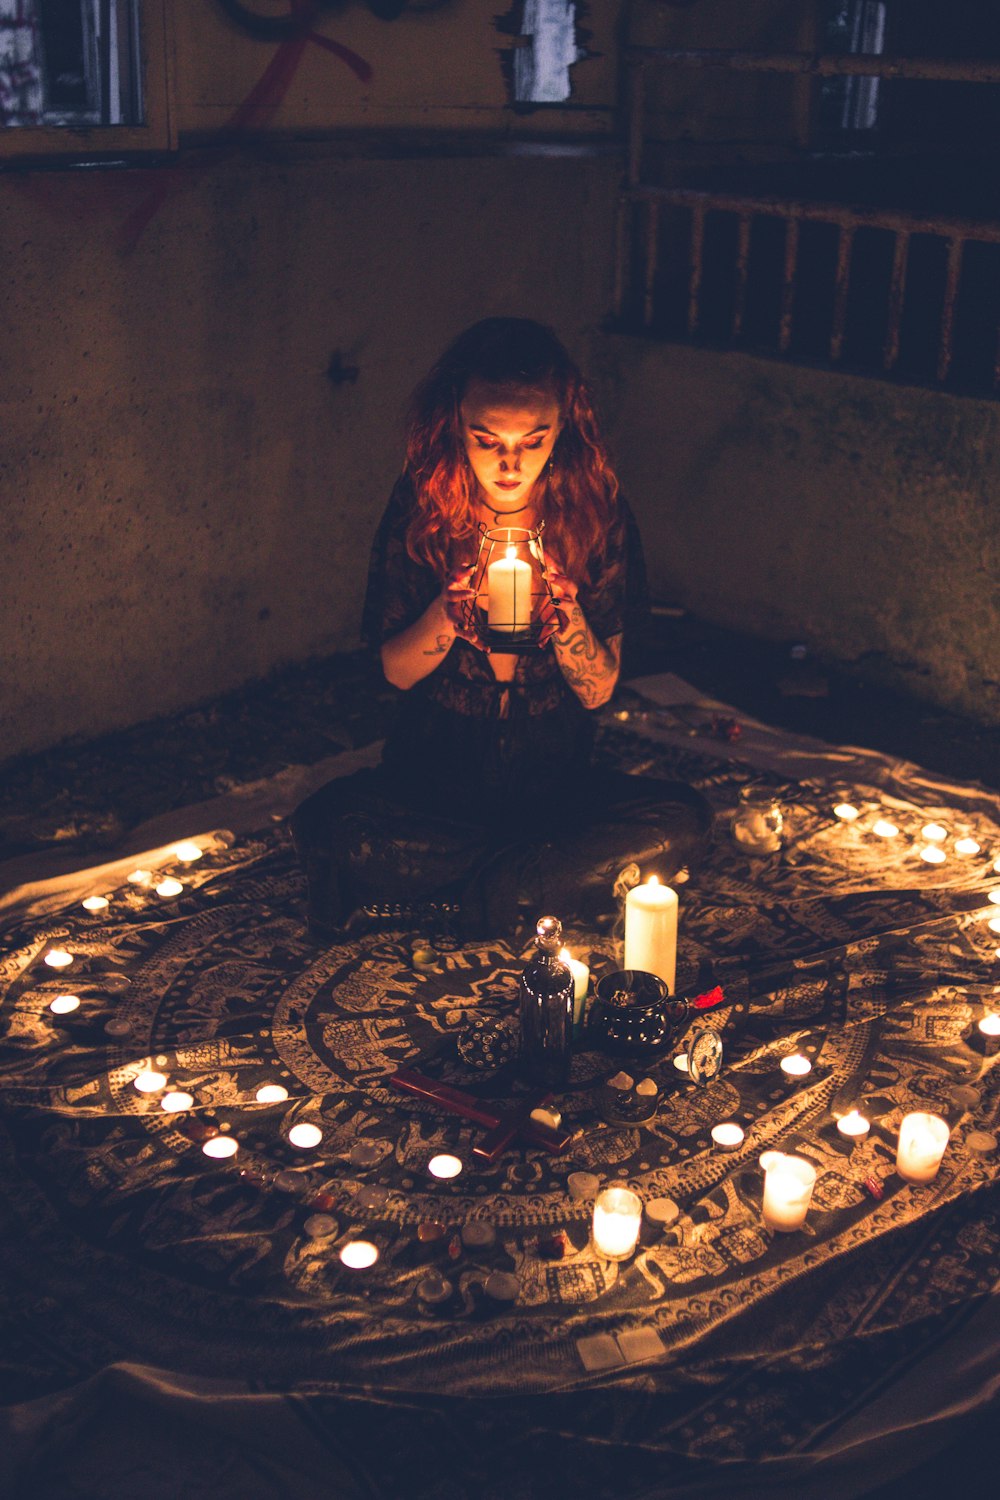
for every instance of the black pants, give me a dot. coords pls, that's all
(362, 844)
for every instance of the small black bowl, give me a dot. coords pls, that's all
(633, 1013)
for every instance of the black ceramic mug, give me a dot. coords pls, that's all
(633, 1012)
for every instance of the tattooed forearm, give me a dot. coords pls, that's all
(441, 646)
(589, 666)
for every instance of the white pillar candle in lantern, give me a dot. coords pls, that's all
(617, 1216)
(651, 930)
(508, 584)
(788, 1190)
(922, 1139)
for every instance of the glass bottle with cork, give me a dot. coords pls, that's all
(545, 1002)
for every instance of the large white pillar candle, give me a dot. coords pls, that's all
(508, 584)
(922, 1139)
(651, 930)
(788, 1190)
(617, 1217)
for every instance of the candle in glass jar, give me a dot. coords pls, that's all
(922, 1141)
(651, 930)
(508, 585)
(617, 1216)
(788, 1189)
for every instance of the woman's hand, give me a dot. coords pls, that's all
(456, 597)
(558, 609)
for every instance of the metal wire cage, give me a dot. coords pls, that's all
(511, 587)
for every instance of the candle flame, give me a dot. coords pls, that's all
(511, 553)
(653, 880)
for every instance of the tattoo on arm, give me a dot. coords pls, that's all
(440, 646)
(589, 666)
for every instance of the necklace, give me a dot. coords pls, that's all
(497, 514)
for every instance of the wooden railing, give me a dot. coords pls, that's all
(644, 208)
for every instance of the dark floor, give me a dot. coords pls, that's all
(87, 795)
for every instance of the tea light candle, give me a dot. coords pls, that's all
(581, 982)
(846, 812)
(271, 1093)
(220, 1147)
(64, 1005)
(651, 930)
(358, 1255)
(140, 877)
(617, 1217)
(176, 1100)
(305, 1136)
(681, 1063)
(444, 1166)
(169, 888)
(934, 833)
(149, 1081)
(508, 583)
(966, 846)
(989, 1034)
(933, 854)
(853, 1126)
(922, 1141)
(187, 851)
(994, 896)
(795, 1067)
(95, 904)
(58, 958)
(994, 925)
(788, 1190)
(885, 829)
(996, 865)
(727, 1137)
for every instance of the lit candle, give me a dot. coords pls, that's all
(989, 1034)
(187, 852)
(922, 1140)
(63, 1005)
(358, 1255)
(617, 1216)
(853, 1126)
(581, 983)
(994, 896)
(994, 925)
(795, 1067)
(934, 833)
(651, 930)
(176, 1100)
(271, 1093)
(508, 584)
(169, 888)
(885, 829)
(141, 877)
(305, 1136)
(788, 1190)
(149, 1081)
(95, 904)
(966, 846)
(221, 1146)
(681, 1063)
(996, 865)
(727, 1137)
(444, 1166)
(58, 958)
(846, 812)
(933, 854)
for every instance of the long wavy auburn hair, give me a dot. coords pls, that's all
(579, 488)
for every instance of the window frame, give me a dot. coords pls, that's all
(22, 143)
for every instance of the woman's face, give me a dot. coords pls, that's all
(509, 434)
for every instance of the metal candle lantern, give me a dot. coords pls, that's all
(511, 588)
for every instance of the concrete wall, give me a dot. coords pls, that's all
(794, 503)
(188, 501)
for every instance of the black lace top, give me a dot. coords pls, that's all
(464, 742)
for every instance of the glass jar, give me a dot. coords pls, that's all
(758, 821)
